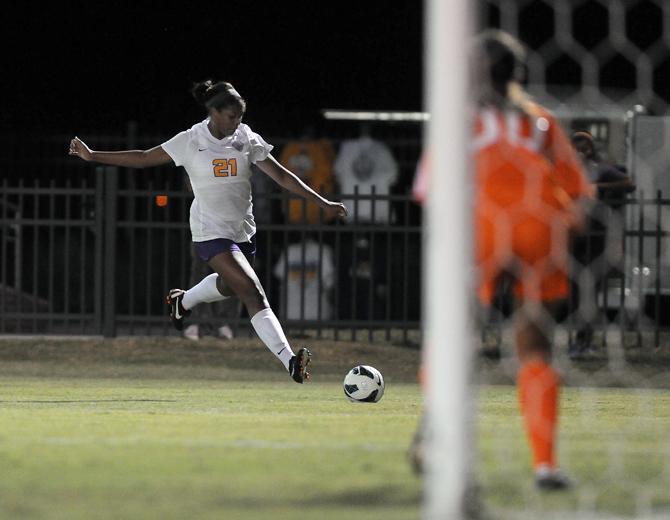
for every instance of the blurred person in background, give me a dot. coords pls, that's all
(598, 250)
(217, 154)
(218, 318)
(527, 192)
(528, 184)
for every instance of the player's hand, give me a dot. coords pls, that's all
(79, 148)
(335, 209)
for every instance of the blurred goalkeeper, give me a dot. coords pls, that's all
(527, 191)
(528, 182)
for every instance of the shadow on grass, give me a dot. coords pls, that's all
(381, 496)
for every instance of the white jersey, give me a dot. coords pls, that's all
(366, 162)
(307, 262)
(220, 173)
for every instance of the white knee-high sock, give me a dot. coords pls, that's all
(204, 291)
(267, 327)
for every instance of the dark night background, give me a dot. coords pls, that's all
(78, 66)
(88, 68)
(92, 66)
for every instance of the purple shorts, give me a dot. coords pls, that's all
(210, 248)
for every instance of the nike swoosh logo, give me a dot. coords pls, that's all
(202, 149)
(282, 350)
(177, 314)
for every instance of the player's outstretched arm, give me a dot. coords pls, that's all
(291, 182)
(126, 158)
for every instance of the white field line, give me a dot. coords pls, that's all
(211, 443)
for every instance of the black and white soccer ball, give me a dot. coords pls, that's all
(364, 384)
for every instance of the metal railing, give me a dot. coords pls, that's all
(99, 260)
(92, 253)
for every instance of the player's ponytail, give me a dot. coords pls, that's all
(502, 61)
(505, 56)
(198, 91)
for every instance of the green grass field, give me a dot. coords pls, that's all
(615, 443)
(164, 439)
(101, 448)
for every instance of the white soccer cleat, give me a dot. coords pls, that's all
(551, 479)
(225, 332)
(192, 332)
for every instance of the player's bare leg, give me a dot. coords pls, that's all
(237, 276)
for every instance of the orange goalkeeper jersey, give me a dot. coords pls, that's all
(524, 161)
(521, 158)
(526, 180)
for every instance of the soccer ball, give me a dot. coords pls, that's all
(364, 384)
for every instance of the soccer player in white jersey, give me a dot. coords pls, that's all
(217, 154)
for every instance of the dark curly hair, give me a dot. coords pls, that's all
(218, 95)
(504, 54)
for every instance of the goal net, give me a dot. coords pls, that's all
(599, 68)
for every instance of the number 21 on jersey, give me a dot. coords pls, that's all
(225, 167)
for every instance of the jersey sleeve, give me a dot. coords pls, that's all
(421, 178)
(259, 149)
(177, 147)
(609, 173)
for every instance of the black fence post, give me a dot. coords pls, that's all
(109, 274)
(657, 271)
(99, 233)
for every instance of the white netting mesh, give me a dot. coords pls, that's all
(600, 67)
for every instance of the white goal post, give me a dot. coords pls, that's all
(446, 345)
